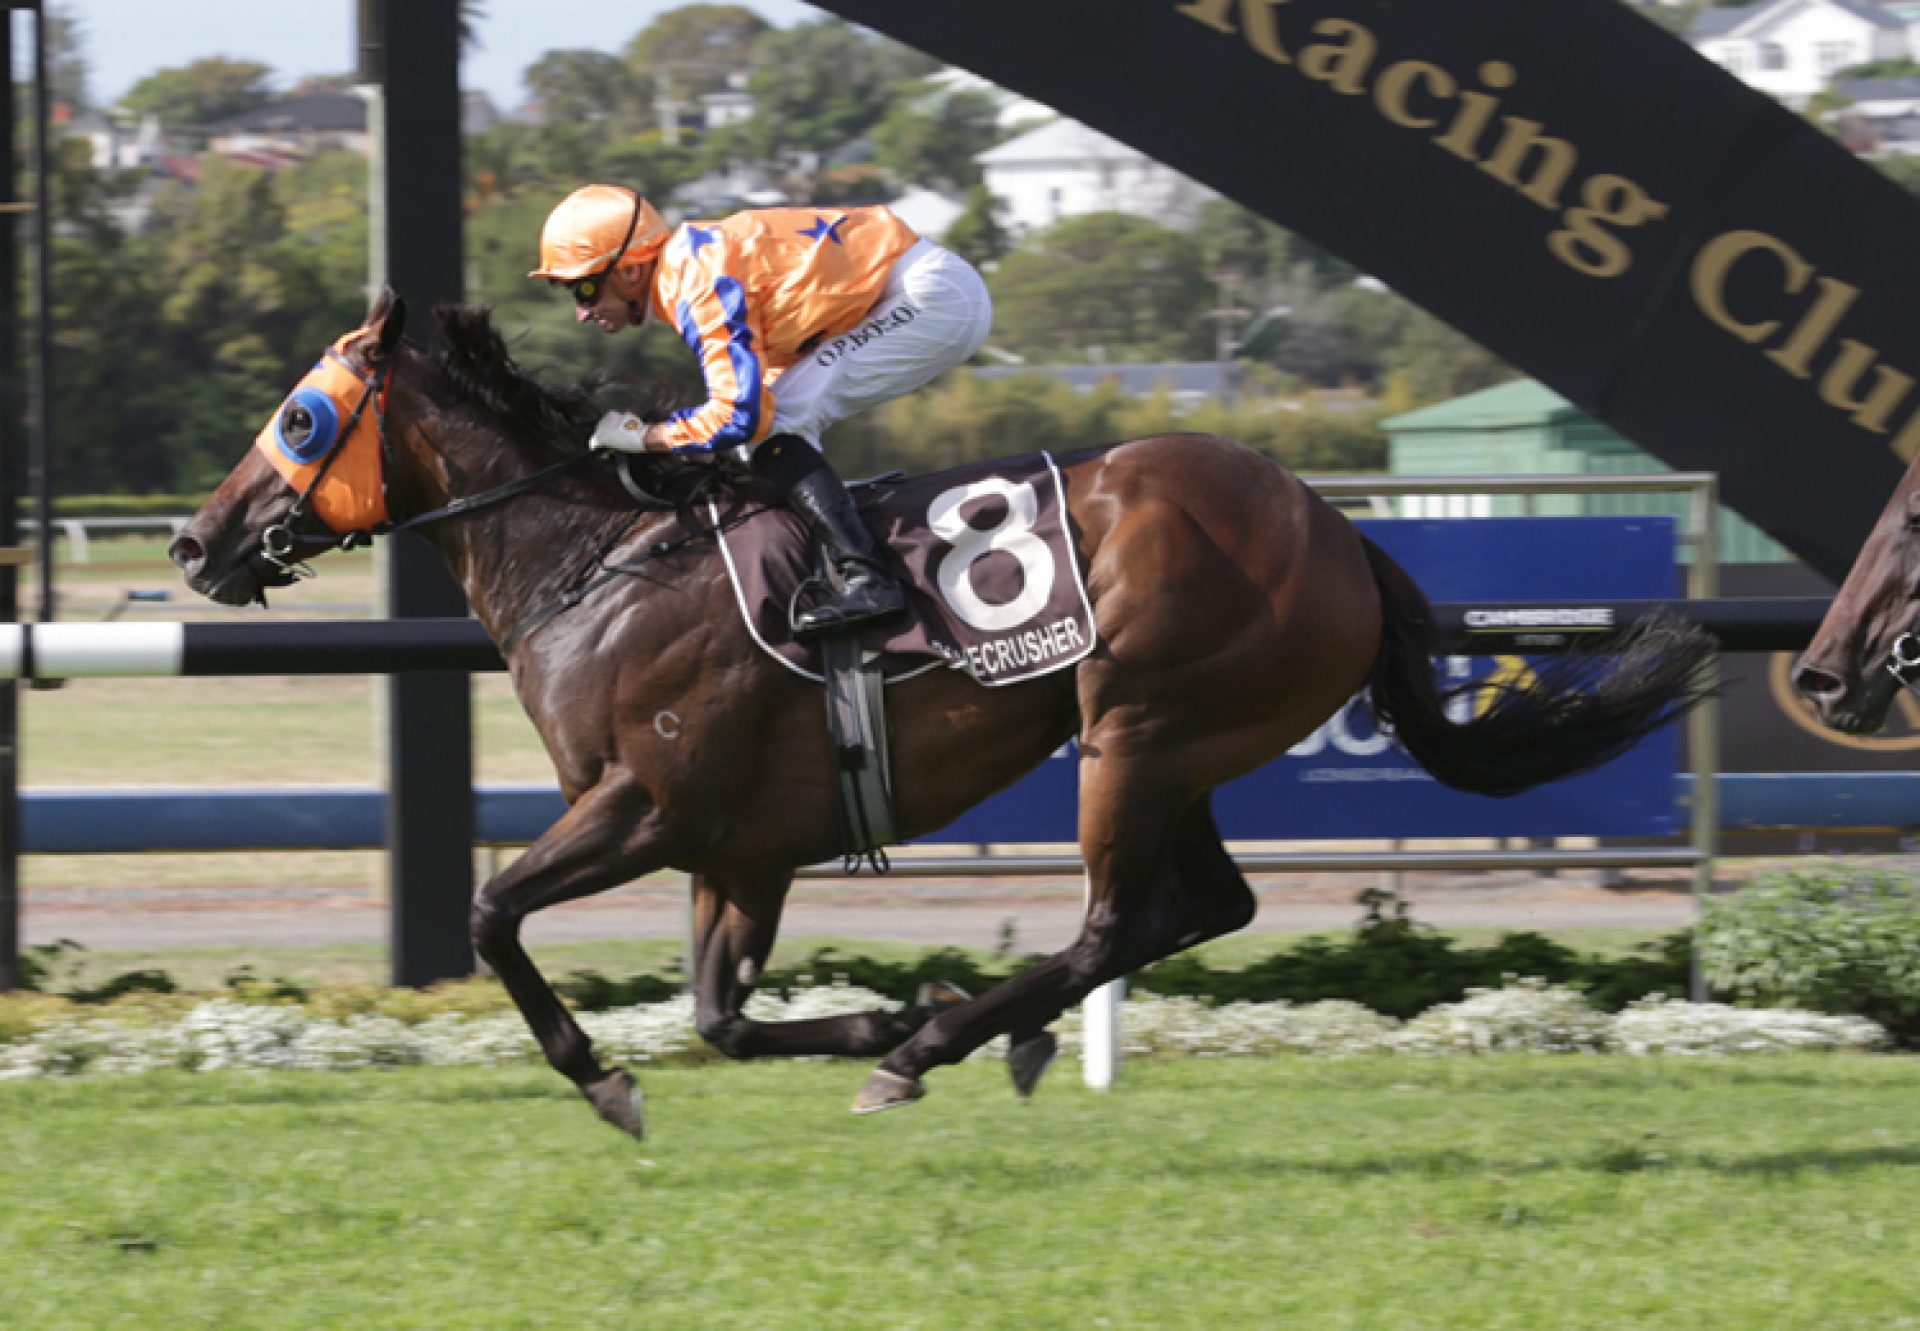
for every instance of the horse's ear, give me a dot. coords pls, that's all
(388, 318)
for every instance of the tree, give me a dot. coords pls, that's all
(66, 58)
(936, 146)
(690, 51)
(1903, 171)
(202, 92)
(1436, 363)
(589, 88)
(1235, 239)
(979, 235)
(1108, 284)
(818, 87)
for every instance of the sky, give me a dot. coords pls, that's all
(125, 40)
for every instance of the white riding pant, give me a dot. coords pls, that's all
(933, 313)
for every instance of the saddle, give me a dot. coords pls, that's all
(994, 583)
(994, 588)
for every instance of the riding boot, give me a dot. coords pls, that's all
(861, 589)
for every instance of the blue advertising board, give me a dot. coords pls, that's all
(1347, 782)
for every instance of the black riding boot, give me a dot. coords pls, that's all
(861, 589)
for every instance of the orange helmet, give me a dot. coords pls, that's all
(595, 228)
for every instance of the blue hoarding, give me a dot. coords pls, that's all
(1347, 782)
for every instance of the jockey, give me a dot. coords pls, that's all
(800, 318)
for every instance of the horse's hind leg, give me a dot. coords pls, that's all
(607, 838)
(1212, 900)
(735, 918)
(1157, 880)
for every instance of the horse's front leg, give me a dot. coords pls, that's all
(610, 836)
(735, 919)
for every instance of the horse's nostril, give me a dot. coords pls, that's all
(186, 554)
(1817, 685)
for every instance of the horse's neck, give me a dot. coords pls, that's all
(523, 555)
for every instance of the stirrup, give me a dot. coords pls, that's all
(831, 618)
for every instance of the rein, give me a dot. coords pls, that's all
(586, 584)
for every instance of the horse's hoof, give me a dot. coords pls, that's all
(886, 1090)
(938, 995)
(617, 1099)
(1029, 1060)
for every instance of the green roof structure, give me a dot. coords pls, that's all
(1525, 428)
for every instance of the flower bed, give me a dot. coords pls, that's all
(61, 1040)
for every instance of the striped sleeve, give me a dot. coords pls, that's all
(714, 320)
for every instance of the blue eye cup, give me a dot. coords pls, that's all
(311, 444)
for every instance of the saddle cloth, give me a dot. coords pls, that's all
(995, 584)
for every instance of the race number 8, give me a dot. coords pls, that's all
(1014, 536)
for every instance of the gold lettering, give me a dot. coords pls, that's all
(1476, 109)
(1341, 67)
(1262, 33)
(1390, 91)
(1907, 442)
(1716, 260)
(1213, 13)
(1839, 386)
(1556, 163)
(1815, 326)
(1583, 243)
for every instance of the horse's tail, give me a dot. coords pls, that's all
(1585, 708)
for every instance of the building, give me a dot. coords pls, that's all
(1064, 169)
(297, 126)
(1525, 428)
(1881, 117)
(1791, 49)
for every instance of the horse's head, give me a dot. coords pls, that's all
(314, 478)
(1867, 648)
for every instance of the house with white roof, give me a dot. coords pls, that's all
(1793, 48)
(1064, 169)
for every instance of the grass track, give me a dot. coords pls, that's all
(1533, 1193)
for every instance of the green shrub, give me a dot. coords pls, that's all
(1389, 963)
(1830, 937)
(1401, 968)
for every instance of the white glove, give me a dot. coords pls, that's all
(620, 431)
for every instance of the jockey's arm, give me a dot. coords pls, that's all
(715, 320)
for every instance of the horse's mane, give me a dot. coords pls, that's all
(477, 368)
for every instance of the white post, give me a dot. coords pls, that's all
(1100, 1035)
(1100, 1024)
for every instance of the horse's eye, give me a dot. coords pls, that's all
(296, 425)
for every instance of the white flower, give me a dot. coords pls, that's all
(1527, 1015)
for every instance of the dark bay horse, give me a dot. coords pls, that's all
(1235, 612)
(1867, 648)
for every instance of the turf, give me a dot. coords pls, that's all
(1530, 1193)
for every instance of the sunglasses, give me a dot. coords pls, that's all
(587, 290)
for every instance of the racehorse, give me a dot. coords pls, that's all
(1866, 650)
(1235, 612)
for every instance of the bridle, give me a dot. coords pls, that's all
(280, 544)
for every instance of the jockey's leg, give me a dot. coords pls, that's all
(862, 588)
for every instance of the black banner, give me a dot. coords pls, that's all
(1566, 183)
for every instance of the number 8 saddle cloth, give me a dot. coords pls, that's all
(995, 585)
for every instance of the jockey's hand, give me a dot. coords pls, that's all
(621, 432)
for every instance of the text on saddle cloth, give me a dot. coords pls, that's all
(995, 585)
